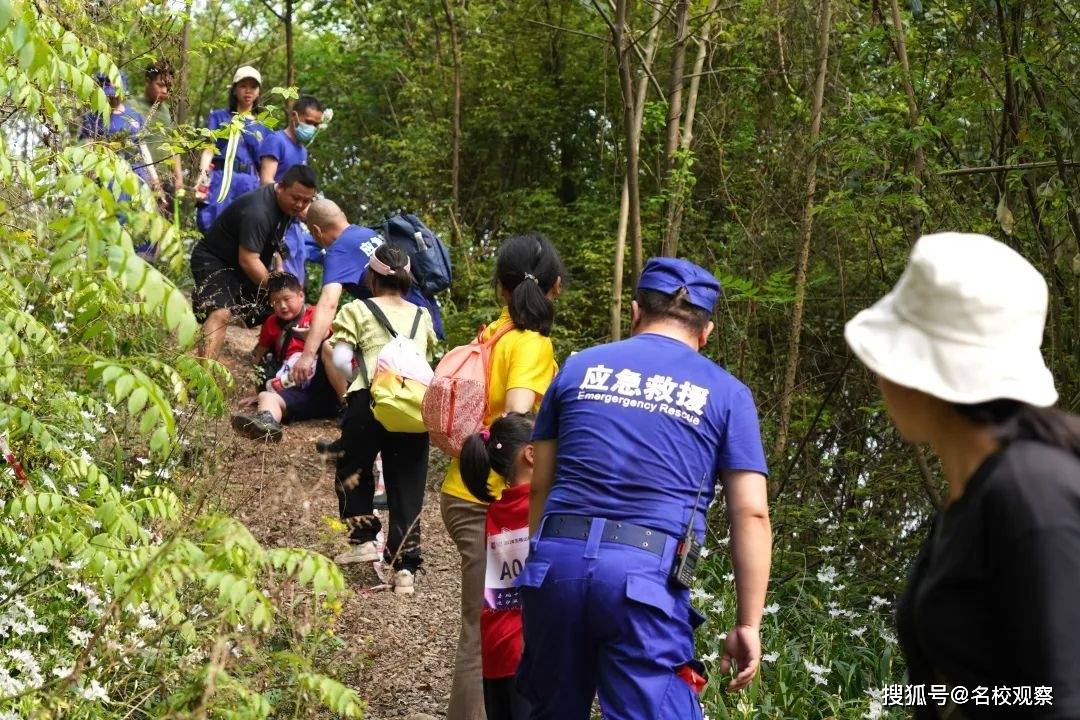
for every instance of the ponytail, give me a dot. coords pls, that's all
(494, 449)
(531, 308)
(475, 465)
(529, 267)
(1015, 420)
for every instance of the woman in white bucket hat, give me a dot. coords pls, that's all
(993, 600)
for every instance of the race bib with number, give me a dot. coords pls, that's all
(506, 553)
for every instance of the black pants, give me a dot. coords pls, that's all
(404, 462)
(503, 702)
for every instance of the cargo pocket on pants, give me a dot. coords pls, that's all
(532, 575)
(647, 591)
(682, 700)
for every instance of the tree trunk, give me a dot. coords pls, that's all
(623, 42)
(678, 203)
(183, 102)
(624, 204)
(806, 226)
(669, 246)
(455, 125)
(290, 65)
(913, 106)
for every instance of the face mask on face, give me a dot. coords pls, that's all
(305, 133)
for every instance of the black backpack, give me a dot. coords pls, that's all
(429, 259)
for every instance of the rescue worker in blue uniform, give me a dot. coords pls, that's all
(279, 151)
(631, 440)
(231, 169)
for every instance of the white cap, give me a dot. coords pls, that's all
(246, 72)
(964, 324)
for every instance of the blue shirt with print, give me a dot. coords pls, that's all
(346, 262)
(639, 423)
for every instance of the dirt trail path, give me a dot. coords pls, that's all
(398, 650)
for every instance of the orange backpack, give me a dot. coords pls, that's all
(456, 400)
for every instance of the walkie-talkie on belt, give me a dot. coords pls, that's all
(689, 550)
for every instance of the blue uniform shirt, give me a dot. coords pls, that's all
(128, 122)
(285, 150)
(346, 262)
(247, 149)
(638, 424)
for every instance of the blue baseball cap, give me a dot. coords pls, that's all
(668, 275)
(107, 84)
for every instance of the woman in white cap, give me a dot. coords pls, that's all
(231, 168)
(991, 614)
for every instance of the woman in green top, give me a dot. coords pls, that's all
(358, 337)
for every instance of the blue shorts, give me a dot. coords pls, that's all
(317, 400)
(602, 618)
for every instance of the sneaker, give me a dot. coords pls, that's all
(260, 426)
(364, 552)
(403, 583)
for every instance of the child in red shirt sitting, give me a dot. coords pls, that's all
(283, 334)
(505, 450)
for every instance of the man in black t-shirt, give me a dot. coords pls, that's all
(232, 261)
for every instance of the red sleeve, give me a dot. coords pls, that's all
(269, 333)
(309, 313)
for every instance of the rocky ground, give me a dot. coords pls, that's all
(398, 650)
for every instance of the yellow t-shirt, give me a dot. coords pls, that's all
(356, 325)
(520, 359)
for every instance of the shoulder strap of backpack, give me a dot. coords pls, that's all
(380, 316)
(490, 342)
(489, 346)
(416, 323)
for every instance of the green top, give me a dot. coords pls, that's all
(156, 126)
(356, 325)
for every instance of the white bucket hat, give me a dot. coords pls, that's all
(242, 73)
(964, 324)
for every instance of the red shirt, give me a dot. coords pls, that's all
(507, 542)
(270, 334)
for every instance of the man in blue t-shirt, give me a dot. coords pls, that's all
(630, 441)
(348, 249)
(278, 152)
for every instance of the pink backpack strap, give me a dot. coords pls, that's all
(488, 345)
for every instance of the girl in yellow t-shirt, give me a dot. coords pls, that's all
(528, 277)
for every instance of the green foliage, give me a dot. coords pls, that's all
(119, 594)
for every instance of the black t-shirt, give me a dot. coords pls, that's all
(994, 596)
(254, 221)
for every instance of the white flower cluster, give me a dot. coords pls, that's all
(19, 618)
(20, 673)
(827, 575)
(818, 672)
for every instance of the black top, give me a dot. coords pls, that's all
(994, 596)
(255, 221)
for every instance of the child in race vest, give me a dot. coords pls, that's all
(504, 450)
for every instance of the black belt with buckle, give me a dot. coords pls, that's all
(576, 527)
